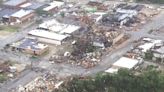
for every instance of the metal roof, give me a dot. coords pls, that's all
(29, 44)
(35, 5)
(7, 12)
(14, 2)
(22, 13)
(48, 35)
(125, 62)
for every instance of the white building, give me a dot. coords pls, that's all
(48, 37)
(53, 5)
(123, 62)
(54, 32)
(55, 26)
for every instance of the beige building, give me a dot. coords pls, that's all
(30, 46)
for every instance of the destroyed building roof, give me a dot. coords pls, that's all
(121, 5)
(147, 46)
(136, 7)
(125, 62)
(47, 24)
(159, 50)
(97, 16)
(29, 44)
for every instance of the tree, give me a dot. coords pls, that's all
(123, 81)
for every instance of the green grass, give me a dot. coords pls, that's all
(3, 77)
(8, 28)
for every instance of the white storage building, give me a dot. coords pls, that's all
(127, 63)
(52, 5)
(48, 37)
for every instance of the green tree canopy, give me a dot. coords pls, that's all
(123, 81)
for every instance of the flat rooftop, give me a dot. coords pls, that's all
(53, 5)
(112, 70)
(7, 12)
(21, 13)
(48, 35)
(26, 5)
(125, 62)
(60, 28)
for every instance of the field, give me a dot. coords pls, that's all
(7, 30)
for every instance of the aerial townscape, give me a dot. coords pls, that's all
(81, 45)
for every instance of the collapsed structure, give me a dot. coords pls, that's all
(122, 15)
(151, 49)
(41, 84)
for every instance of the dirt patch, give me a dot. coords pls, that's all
(4, 34)
(7, 30)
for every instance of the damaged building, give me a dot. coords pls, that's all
(30, 46)
(122, 15)
(53, 32)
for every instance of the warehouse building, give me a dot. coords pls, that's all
(22, 16)
(123, 62)
(5, 15)
(14, 4)
(31, 5)
(47, 37)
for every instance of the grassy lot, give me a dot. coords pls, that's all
(3, 77)
(8, 28)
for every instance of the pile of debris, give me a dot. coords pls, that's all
(112, 35)
(10, 70)
(83, 54)
(127, 15)
(45, 83)
(99, 5)
(88, 49)
(57, 58)
(89, 60)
